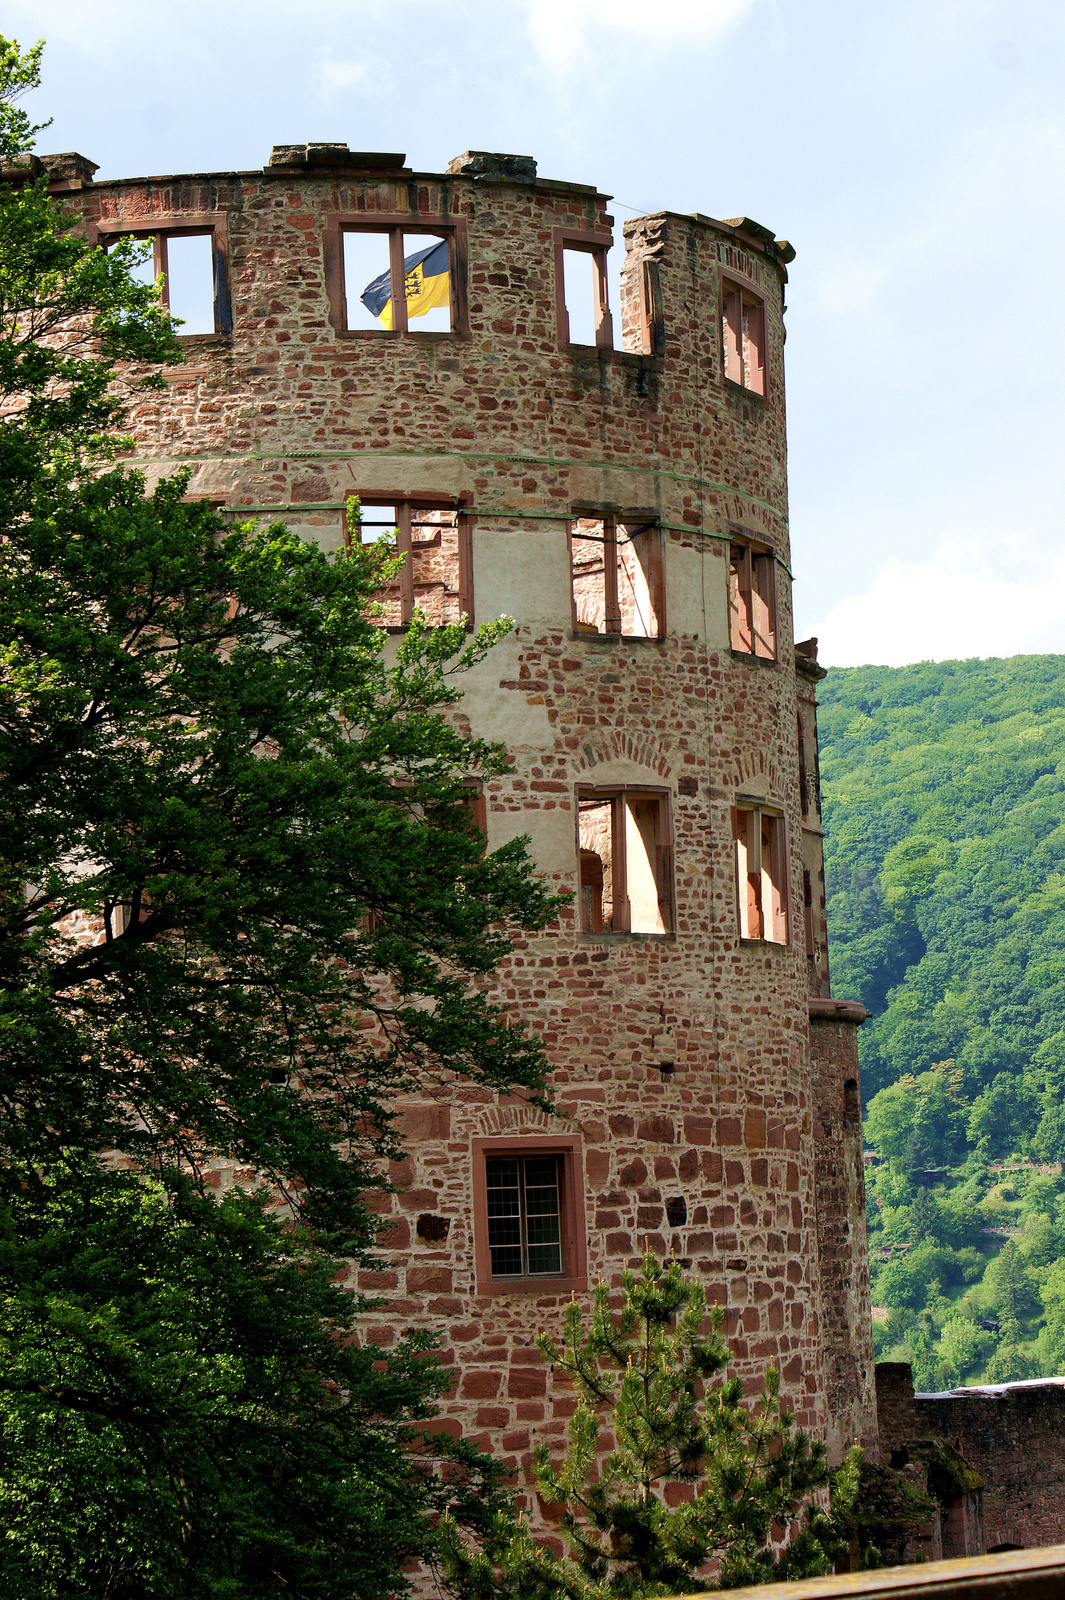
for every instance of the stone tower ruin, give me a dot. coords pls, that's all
(624, 500)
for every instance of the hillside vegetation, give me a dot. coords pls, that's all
(944, 804)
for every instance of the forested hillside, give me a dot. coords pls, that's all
(944, 805)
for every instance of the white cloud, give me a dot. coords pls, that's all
(948, 608)
(336, 78)
(563, 30)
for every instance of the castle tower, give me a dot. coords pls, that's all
(627, 506)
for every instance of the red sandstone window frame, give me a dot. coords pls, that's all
(595, 245)
(632, 525)
(394, 225)
(752, 597)
(615, 795)
(406, 507)
(759, 881)
(181, 224)
(744, 341)
(572, 1215)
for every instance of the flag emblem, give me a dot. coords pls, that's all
(425, 285)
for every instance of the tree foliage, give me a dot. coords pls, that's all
(695, 1474)
(243, 905)
(944, 798)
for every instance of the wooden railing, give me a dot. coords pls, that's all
(1010, 1575)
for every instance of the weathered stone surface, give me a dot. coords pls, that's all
(683, 1061)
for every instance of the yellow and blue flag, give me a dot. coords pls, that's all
(425, 284)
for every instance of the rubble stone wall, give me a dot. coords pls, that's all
(1013, 1435)
(684, 1079)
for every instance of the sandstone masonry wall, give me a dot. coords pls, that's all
(698, 1120)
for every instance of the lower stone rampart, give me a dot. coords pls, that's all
(1012, 1434)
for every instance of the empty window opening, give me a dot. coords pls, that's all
(761, 873)
(625, 859)
(145, 271)
(743, 337)
(435, 576)
(524, 1216)
(189, 289)
(752, 601)
(375, 263)
(366, 272)
(585, 314)
(616, 575)
(183, 266)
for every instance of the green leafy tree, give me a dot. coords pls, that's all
(242, 905)
(179, 1419)
(694, 1473)
(1010, 1287)
(1005, 1115)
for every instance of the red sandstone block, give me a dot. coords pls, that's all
(633, 1175)
(699, 1130)
(419, 1200)
(428, 1280)
(648, 1217)
(396, 1236)
(656, 1129)
(378, 1280)
(481, 1385)
(524, 1383)
(618, 1244)
(793, 1178)
(760, 1172)
(529, 1411)
(729, 1131)
(493, 1416)
(425, 1122)
(597, 1165)
(754, 1129)
(622, 1127)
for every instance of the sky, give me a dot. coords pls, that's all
(913, 152)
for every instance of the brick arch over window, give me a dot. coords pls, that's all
(607, 746)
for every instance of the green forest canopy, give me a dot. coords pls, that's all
(944, 808)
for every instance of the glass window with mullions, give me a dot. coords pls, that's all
(524, 1216)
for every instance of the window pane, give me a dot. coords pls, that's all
(542, 1216)
(504, 1218)
(426, 266)
(190, 281)
(366, 272)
